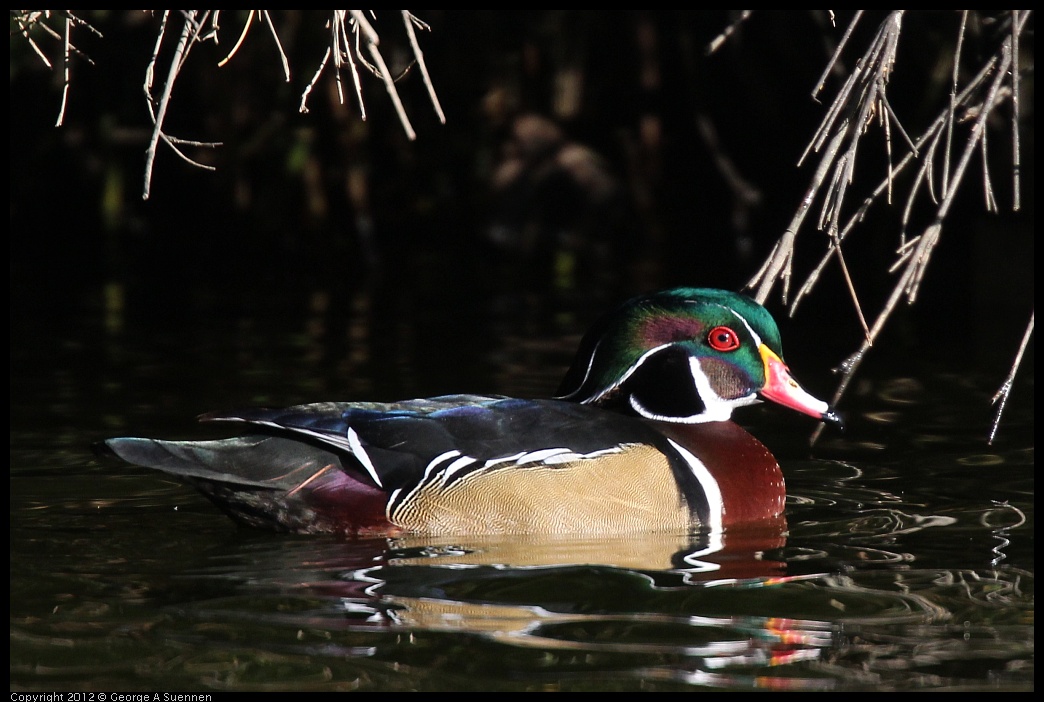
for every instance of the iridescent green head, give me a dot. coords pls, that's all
(685, 355)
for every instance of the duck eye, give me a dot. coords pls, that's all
(723, 339)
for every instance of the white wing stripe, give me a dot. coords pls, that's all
(356, 447)
(350, 443)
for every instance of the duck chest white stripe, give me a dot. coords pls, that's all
(715, 504)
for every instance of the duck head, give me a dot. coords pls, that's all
(688, 356)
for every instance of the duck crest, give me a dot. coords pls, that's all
(639, 440)
(686, 355)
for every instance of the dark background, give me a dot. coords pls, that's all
(303, 202)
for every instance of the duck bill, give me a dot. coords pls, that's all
(782, 389)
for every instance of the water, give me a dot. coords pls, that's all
(907, 563)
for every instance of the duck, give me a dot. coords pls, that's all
(638, 439)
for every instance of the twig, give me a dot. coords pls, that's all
(716, 43)
(303, 106)
(350, 31)
(1016, 159)
(361, 23)
(778, 263)
(987, 184)
(31, 19)
(28, 19)
(340, 39)
(189, 35)
(279, 45)
(65, 73)
(409, 19)
(1001, 397)
(813, 277)
(261, 14)
(837, 54)
(242, 38)
(872, 78)
(845, 119)
(953, 97)
(851, 286)
(917, 261)
(778, 258)
(353, 40)
(849, 367)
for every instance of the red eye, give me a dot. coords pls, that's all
(723, 339)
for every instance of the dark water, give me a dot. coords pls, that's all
(908, 562)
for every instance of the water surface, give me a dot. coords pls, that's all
(906, 562)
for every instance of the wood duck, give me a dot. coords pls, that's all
(639, 439)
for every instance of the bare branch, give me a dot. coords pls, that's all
(65, 72)
(384, 73)
(860, 99)
(917, 260)
(279, 45)
(931, 137)
(353, 41)
(851, 288)
(716, 43)
(267, 16)
(778, 264)
(29, 19)
(1016, 159)
(341, 39)
(409, 19)
(988, 104)
(953, 98)
(837, 53)
(242, 38)
(303, 106)
(1001, 397)
(857, 100)
(987, 185)
(189, 36)
(849, 367)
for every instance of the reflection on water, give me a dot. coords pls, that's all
(848, 600)
(735, 554)
(906, 559)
